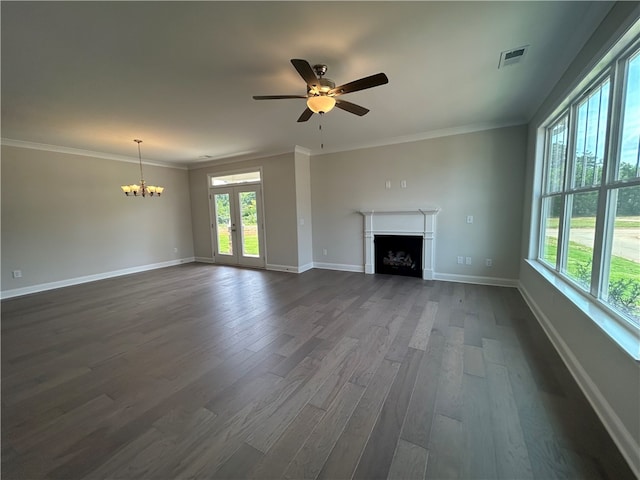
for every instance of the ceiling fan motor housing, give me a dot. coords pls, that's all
(322, 86)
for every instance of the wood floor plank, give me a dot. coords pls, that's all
(378, 454)
(445, 447)
(274, 464)
(400, 345)
(480, 453)
(289, 363)
(273, 426)
(472, 330)
(420, 336)
(449, 398)
(123, 464)
(420, 412)
(492, 351)
(511, 451)
(409, 462)
(344, 457)
(384, 337)
(309, 460)
(165, 374)
(473, 362)
(239, 464)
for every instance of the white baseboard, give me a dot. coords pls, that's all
(339, 266)
(477, 280)
(269, 266)
(205, 260)
(616, 428)
(282, 268)
(445, 277)
(42, 287)
(305, 267)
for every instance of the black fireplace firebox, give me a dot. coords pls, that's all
(398, 255)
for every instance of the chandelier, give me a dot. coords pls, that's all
(141, 190)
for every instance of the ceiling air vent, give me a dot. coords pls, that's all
(513, 56)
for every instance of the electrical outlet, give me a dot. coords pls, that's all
(467, 260)
(488, 262)
(324, 251)
(175, 249)
(460, 260)
(403, 184)
(387, 184)
(469, 218)
(16, 274)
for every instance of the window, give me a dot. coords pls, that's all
(590, 199)
(234, 178)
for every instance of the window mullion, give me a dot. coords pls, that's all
(604, 222)
(564, 220)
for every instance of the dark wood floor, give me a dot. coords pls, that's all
(203, 371)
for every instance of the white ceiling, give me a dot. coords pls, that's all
(181, 75)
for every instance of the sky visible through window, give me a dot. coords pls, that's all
(591, 126)
(630, 145)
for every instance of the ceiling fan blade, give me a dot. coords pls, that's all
(276, 97)
(361, 84)
(306, 115)
(351, 107)
(305, 71)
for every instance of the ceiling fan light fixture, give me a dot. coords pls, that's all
(321, 103)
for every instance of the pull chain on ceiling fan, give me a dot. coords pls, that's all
(322, 92)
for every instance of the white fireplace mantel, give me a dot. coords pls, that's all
(419, 222)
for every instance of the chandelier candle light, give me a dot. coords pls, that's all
(142, 189)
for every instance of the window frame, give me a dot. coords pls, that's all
(616, 71)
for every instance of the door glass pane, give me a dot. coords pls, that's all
(629, 166)
(551, 222)
(249, 224)
(591, 130)
(223, 224)
(623, 292)
(556, 155)
(582, 227)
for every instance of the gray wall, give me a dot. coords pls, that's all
(479, 174)
(611, 377)
(64, 217)
(279, 192)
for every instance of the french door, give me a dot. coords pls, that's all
(237, 225)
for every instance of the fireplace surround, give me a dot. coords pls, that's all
(419, 222)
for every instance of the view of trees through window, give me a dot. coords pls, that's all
(593, 168)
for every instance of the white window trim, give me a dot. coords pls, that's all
(625, 333)
(224, 173)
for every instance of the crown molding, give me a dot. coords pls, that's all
(85, 153)
(444, 132)
(302, 150)
(239, 158)
(244, 157)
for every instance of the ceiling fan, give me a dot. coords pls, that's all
(322, 93)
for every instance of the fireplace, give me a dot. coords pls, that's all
(420, 224)
(398, 255)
